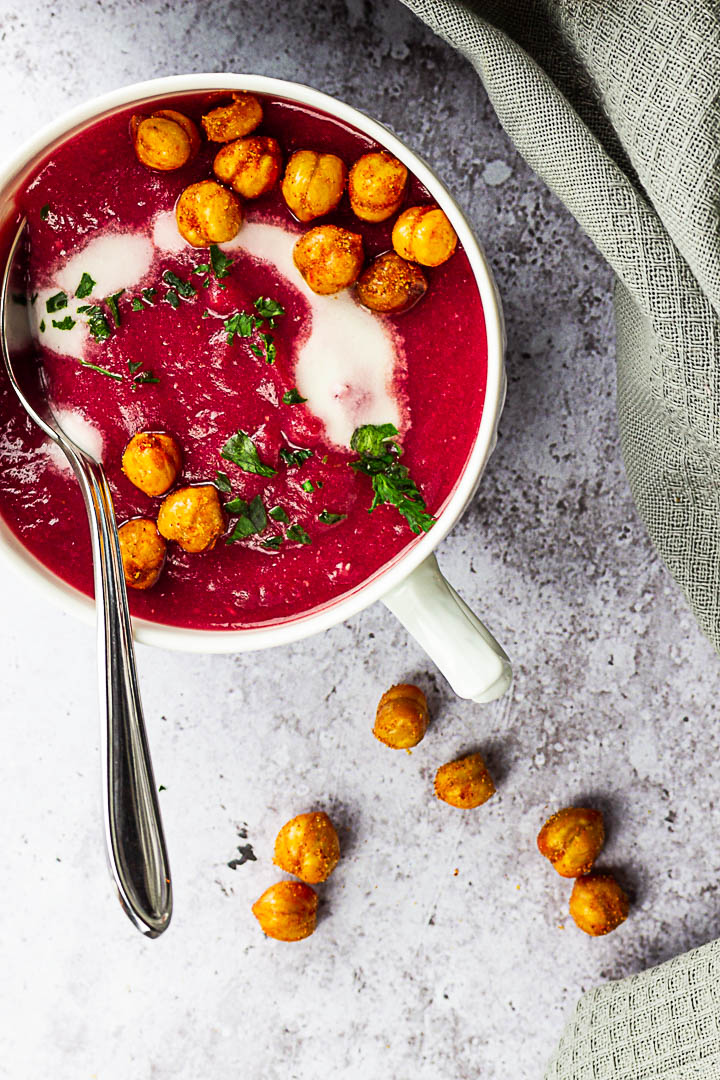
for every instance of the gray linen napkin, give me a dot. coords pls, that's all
(614, 103)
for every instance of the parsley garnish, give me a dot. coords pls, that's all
(101, 370)
(64, 324)
(222, 482)
(86, 286)
(252, 518)
(391, 481)
(138, 376)
(183, 288)
(44, 211)
(137, 304)
(149, 295)
(329, 518)
(33, 298)
(202, 268)
(240, 323)
(298, 534)
(274, 541)
(42, 326)
(112, 303)
(220, 262)
(292, 397)
(307, 485)
(98, 325)
(54, 303)
(278, 514)
(241, 450)
(294, 458)
(270, 348)
(269, 309)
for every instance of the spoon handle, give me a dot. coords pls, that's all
(133, 827)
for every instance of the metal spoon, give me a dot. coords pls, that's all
(133, 829)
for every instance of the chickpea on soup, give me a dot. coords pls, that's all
(267, 331)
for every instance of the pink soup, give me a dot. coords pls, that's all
(93, 208)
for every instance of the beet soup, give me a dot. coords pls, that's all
(138, 331)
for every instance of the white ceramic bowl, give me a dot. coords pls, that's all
(411, 585)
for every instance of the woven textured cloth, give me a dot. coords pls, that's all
(614, 103)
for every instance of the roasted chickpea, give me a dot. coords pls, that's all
(166, 140)
(151, 461)
(207, 213)
(143, 552)
(233, 121)
(572, 839)
(598, 904)
(287, 911)
(193, 517)
(308, 847)
(423, 234)
(250, 166)
(329, 258)
(376, 185)
(402, 717)
(465, 783)
(391, 285)
(313, 183)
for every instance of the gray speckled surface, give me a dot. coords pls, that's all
(444, 947)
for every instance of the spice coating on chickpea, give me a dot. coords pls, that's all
(329, 258)
(376, 185)
(229, 122)
(598, 904)
(391, 285)
(151, 461)
(193, 517)
(313, 183)
(143, 552)
(287, 911)
(465, 783)
(308, 847)
(165, 141)
(207, 213)
(423, 234)
(250, 166)
(572, 839)
(402, 717)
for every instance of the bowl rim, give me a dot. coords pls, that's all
(384, 580)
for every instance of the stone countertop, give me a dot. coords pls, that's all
(444, 948)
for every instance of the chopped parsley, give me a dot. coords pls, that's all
(298, 534)
(56, 302)
(270, 348)
(183, 288)
(222, 482)
(98, 325)
(307, 485)
(64, 324)
(241, 450)
(202, 268)
(137, 304)
(86, 286)
(240, 324)
(294, 458)
(278, 514)
(33, 298)
(251, 520)
(269, 309)
(149, 295)
(274, 541)
(42, 326)
(101, 370)
(172, 298)
(138, 375)
(292, 397)
(379, 458)
(219, 261)
(328, 518)
(112, 303)
(45, 211)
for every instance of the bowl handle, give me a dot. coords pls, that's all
(453, 637)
